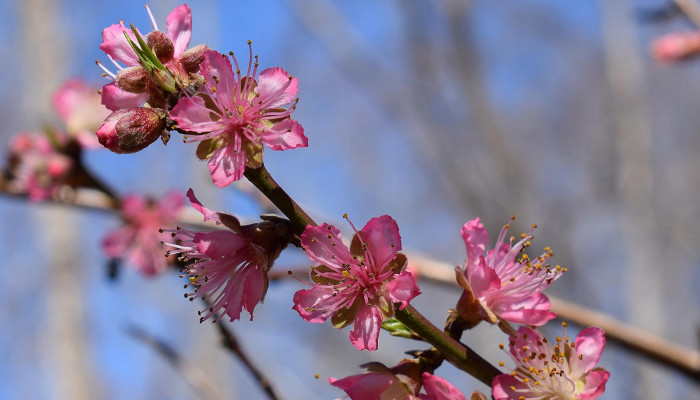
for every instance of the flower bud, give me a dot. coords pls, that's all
(132, 79)
(191, 58)
(129, 130)
(161, 45)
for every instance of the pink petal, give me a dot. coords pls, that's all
(178, 27)
(171, 204)
(244, 291)
(475, 239)
(482, 278)
(323, 249)
(68, 96)
(402, 289)
(368, 323)
(227, 165)
(533, 310)
(275, 87)
(134, 207)
(501, 388)
(595, 385)
(218, 73)
(313, 304)
(209, 215)
(437, 388)
(285, 135)
(590, 343)
(368, 386)
(114, 43)
(526, 338)
(118, 241)
(383, 240)
(147, 255)
(219, 244)
(192, 115)
(114, 98)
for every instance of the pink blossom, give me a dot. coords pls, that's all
(357, 285)
(676, 46)
(36, 166)
(228, 268)
(235, 114)
(506, 283)
(563, 371)
(78, 105)
(132, 86)
(139, 239)
(382, 383)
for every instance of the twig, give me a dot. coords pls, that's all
(230, 342)
(193, 375)
(690, 8)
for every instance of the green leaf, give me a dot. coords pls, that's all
(397, 328)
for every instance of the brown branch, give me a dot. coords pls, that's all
(193, 375)
(230, 342)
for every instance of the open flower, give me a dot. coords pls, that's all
(676, 46)
(228, 268)
(235, 114)
(358, 285)
(133, 84)
(36, 166)
(78, 105)
(139, 239)
(401, 382)
(564, 371)
(505, 283)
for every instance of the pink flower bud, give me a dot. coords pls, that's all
(161, 45)
(676, 46)
(130, 130)
(132, 79)
(191, 58)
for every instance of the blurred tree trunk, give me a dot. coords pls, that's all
(634, 182)
(65, 346)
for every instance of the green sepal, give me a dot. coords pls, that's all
(397, 328)
(207, 148)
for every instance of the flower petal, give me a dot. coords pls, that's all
(285, 135)
(276, 87)
(475, 239)
(192, 115)
(315, 304)
(506, 387)
(323, 245)
(171, 204)
(114, 98)
(402, 289)
(220, 244)
(133, 207)
(227, 165)
(383, 239)
(595, 384)
(368, 323)
(437, 388)
(589, 344)
(209, 215)
(533, 310)
(179, 28)
(114, 44)
(482, 278)
(217, 72)
(117, 242)
(368, 386)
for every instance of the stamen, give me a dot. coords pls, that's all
(150, 14)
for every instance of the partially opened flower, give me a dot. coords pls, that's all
(235, 114)
(358, 285)
(565, 370)
(505, 282)
(139, 240)
(78, 105)
(174, 66)
(401, 382)
(228, 268)
(36, 166)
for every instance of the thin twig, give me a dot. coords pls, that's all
(193, 375)
(691, 9)
(230, 342)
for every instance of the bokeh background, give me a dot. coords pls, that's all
(434, 112)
